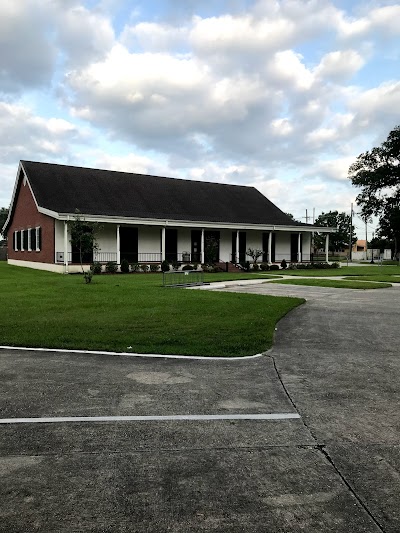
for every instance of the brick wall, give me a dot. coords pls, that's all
(27, 216)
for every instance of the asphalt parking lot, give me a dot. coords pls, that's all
(329, 460)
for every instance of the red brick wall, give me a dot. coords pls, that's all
(27, 216)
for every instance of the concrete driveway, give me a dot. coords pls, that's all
(328, 461)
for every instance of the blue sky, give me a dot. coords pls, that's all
(280, 95)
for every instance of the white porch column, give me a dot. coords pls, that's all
(299, 248)
(237, 247)
(65, 246)
(202, 247)
(326, 246)
(118, 247)
(269, 247)
(163, 243)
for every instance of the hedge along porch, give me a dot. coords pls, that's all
(145, 219)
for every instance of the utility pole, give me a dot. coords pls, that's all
(351, 232)
(366, 239)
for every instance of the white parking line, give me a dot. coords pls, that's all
(58, 419)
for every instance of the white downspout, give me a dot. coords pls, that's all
(118, 246)
(65, 246)
(163, 243)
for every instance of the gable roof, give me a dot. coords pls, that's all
(64, 189)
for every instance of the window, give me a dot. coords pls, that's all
(29, 232)
(38, 238)
(22, 240)
(25, 239)
(15, 241)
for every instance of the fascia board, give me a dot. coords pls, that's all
(184, 223)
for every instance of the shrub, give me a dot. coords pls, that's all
(256, 267)
(111, 267)
(187, 267)
(264, 266)
(144, 267)
(245, 265)
(175, 265)
(153, 267)
(165, 266)
(274, 267)
(95, 267)
(207, 268)
(87, 276)
(335, 265)
(125, 266)
(135, 267)
(292, 266)
(195, 266)
(283, 264)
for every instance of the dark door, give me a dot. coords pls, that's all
(196, 246)
(294, 245)
(128, 244)
(233, 258)
(78, 250)
(211, 246)
(242, 246)
(171, 245)
(266, 246)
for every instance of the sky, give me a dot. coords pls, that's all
(280, 95)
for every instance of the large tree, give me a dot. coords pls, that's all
(377, 174)
(3, 218)
(340, 239)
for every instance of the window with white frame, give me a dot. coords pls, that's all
(15, 241)
(22, 240)
(29, 231)
(38, 235)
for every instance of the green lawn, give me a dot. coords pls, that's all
(338, 284)
(351, 270)
(134, 313)
(382, 277)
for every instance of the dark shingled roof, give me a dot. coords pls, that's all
(64, 189)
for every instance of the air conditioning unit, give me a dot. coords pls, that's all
(60, 257)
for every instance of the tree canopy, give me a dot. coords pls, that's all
(377, 174)
(340, 239)
(3, 217)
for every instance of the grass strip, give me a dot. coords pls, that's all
(370, 270)
(337, 284)
(381, 278)
(133, 312)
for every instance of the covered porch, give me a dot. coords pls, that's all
(141, 243)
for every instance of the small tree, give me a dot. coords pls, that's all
(254, 253)
(83, 238)
(211, 250)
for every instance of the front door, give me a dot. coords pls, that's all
(196, 246)
(294, 240)
(211, 246)
(266, 246)
(78, 250)
(242, 246)
(171, 245)
(128, 244)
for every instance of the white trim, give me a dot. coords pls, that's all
(22, 240)
(15, 233)
(38, 265)
(118, 246)
(185, 223)
(151, 418)
(37, 230)
(29, 230)
(129, 354)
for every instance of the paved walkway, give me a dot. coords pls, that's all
(331, 464)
